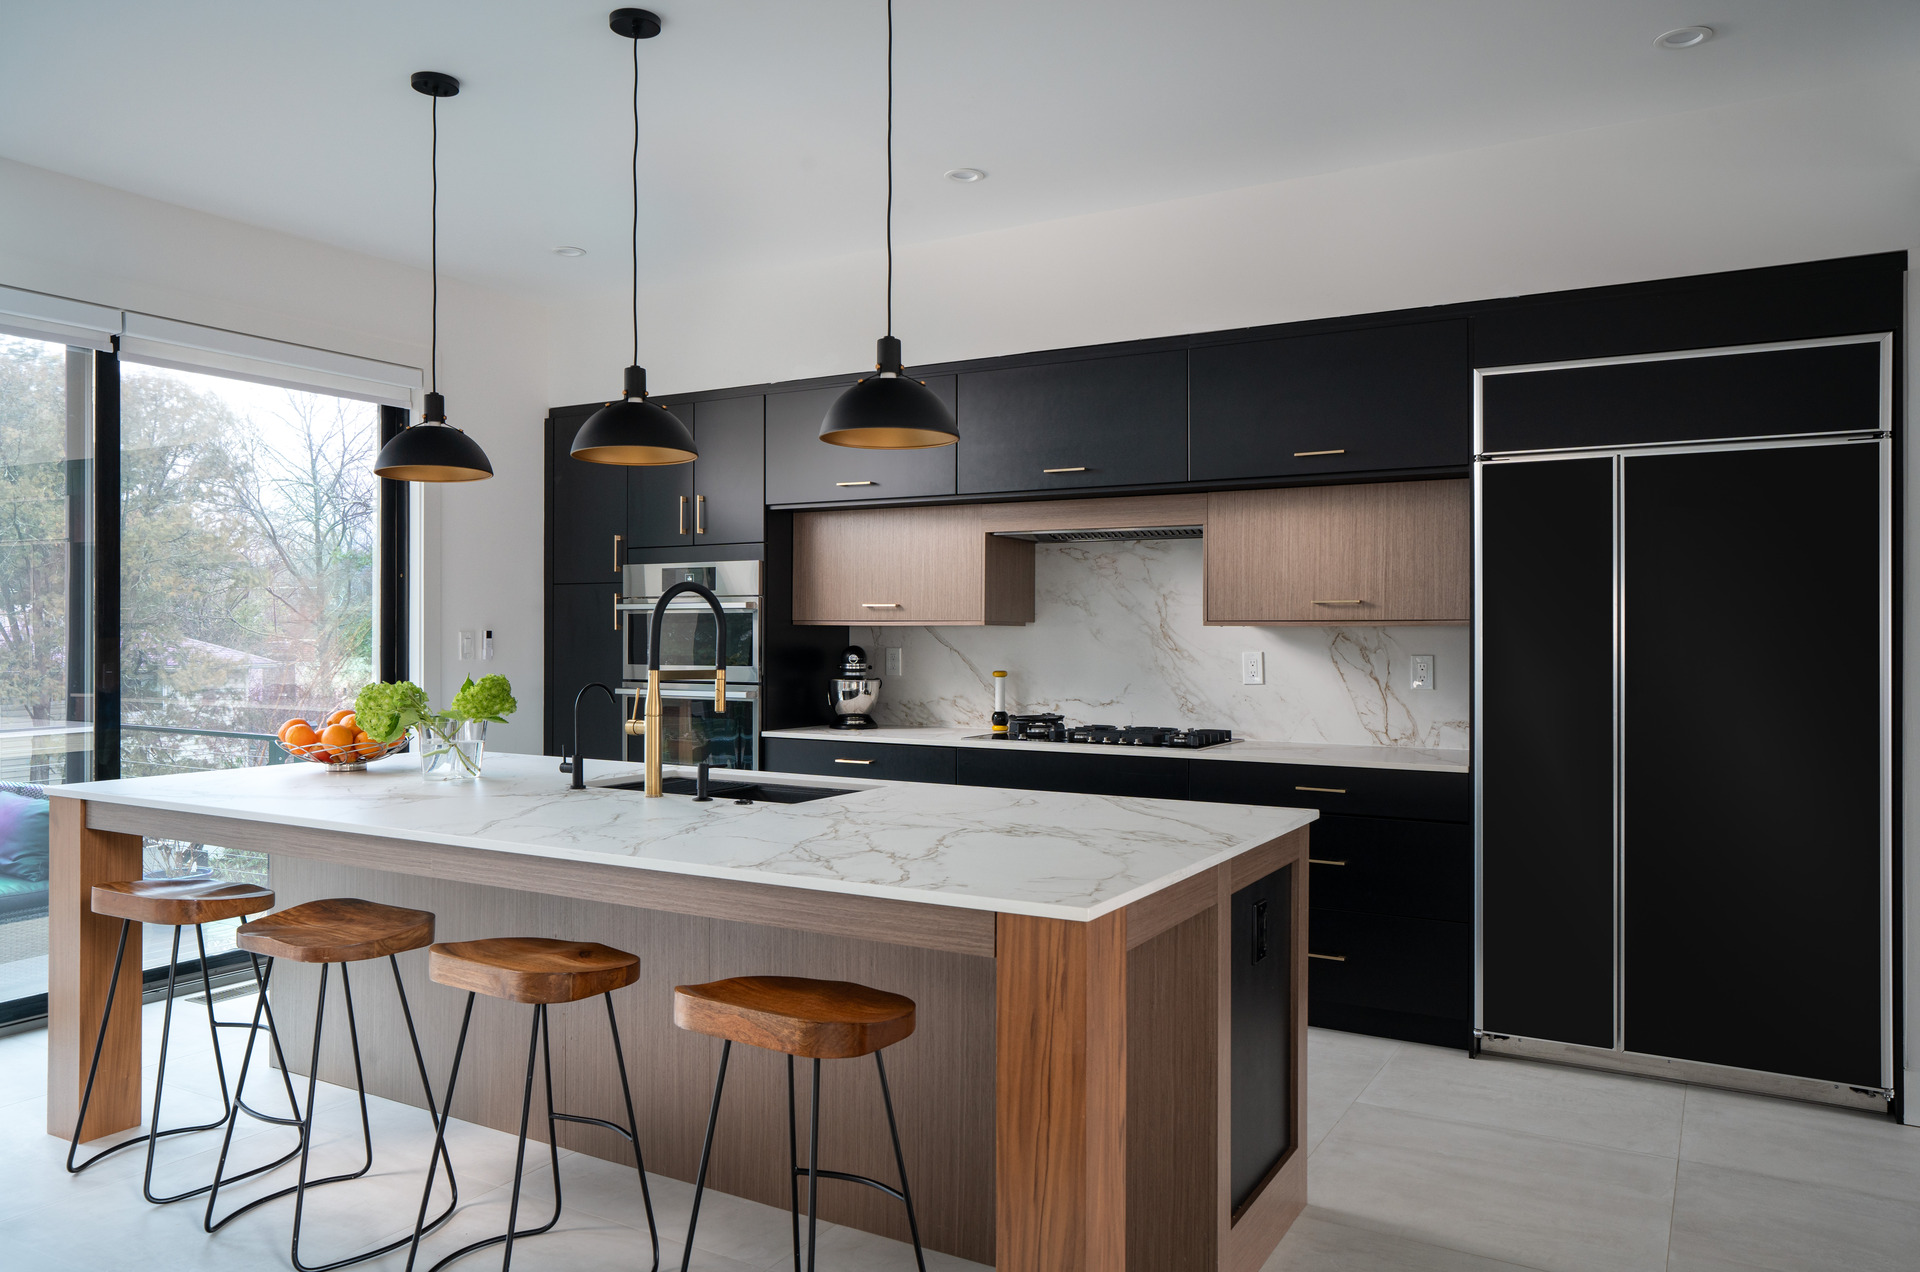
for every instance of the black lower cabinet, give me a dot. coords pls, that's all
(1389, 974)
(1381, 865)
(891, 762)
(1020, 767)
(582, 647)
(1262, 1059)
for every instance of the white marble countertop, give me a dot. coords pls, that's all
(1378, 757)
(1021, 852)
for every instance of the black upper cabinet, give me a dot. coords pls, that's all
(660, 497)
(589, 508)
(1118, 421)
(802, 469)
(1375, 399)
(729, 497)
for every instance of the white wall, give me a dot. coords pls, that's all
(1806, 177)
(88, 242)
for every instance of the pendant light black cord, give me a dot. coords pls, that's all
(433, 356)
(636, 202)
(889, 167)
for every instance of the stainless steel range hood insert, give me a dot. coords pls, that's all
(1102, 536)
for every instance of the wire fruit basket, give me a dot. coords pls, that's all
(351, 757)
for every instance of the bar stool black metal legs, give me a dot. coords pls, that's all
(330, 932)
(180, 903)
(541, 972)
(812, 1018)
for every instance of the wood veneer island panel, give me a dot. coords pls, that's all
(1065, 1101)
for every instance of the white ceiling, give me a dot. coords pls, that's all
(762, 119)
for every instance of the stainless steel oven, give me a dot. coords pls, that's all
(694, 731)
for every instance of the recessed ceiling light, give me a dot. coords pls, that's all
(1685, 37)
(965, 175)
(569, 251)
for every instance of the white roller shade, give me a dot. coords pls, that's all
(42, 317)
(191, 347)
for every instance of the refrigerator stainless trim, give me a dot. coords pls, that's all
(1882, 338)
(1882, 439)
(1698, 1072)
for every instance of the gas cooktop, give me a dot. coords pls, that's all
(1054, 728)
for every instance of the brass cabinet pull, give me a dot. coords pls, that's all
(1324, 861)
(853, 761)
(616, 610)
(853, 483)
(1323, 790)
(1360, 602)
(879, 605)
(1063, 470)
(1331, 958)
(699, 514)
(617, 562)
(1306, 454)
(683, 514)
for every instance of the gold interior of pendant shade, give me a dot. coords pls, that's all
(888, 438)
(635, 456)
(432, 472)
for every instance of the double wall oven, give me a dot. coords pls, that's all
(695, 732)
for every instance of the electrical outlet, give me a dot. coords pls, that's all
(1253, 667)
(466, 644)
(486, 645)
(892, 660)
(1422, 677)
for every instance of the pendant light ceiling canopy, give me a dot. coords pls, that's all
(889, 410)
(434, 450)
(634, 431)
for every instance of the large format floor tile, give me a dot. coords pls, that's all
(1316, 1243)
(1842, 1148)
(1540, 1202)
(1738, 1221)
(1339, 1067)
(1640, 1115)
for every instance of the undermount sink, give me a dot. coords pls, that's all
(758, 792)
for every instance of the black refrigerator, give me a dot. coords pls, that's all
(1683, 718)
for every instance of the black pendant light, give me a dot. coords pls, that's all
(889, 410)
(434, 450)
(634, 431)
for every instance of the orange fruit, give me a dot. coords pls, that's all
(324, 757)
(344, 713)
(365, 745)
(288, 725)
(336, 736)
(298, 733)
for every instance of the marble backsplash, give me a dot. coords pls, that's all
(1117, 638)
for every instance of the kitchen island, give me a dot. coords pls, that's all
(1079, 959)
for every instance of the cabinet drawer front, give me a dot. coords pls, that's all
(1372, 400)
(1022, 766)
(1390, 963)
(802, 469)
(1067, 425)
(833, 758)
(1360, 792)
(1379, 865)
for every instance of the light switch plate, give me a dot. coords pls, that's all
(1253, 667)
(892, 660)
(1422, 677)
(466, 644)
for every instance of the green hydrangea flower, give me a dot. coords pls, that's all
(386, 711)
(489, 698)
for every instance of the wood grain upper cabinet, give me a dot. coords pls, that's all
(908, 567)
(1371, 400)
(1118, 421)
(588, 507)
(802, 469)
(1334, 556)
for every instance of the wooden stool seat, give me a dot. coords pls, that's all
(533, 969)
(338, 930)
(180, 902)
(819, 1019)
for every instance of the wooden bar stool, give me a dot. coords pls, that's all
(342, 931)
(179, 903)
(542, 972)
(820, 1019)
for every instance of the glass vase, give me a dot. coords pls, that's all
(451, 756)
